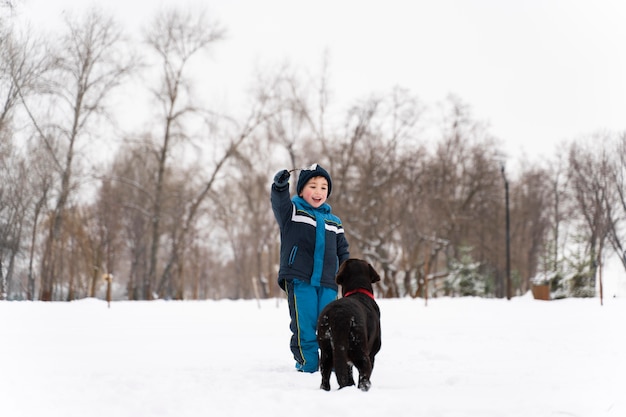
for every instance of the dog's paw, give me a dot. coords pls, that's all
(365, 385)
(325, 386)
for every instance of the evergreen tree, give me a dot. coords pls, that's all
(465, 278)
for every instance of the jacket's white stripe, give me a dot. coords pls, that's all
(334, 228)
(306, 219)
(302, 219)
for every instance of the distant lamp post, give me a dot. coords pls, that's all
(108, 278)
(508, 234)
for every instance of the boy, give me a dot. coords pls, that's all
(313, 245)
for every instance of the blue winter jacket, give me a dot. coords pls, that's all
(313, 243)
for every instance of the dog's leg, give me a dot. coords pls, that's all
(343, 369)
(344, 376)
(326, 364)
(364, 365)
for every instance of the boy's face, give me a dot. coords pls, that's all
(315, 191)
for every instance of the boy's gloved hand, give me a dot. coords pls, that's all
(281, 180)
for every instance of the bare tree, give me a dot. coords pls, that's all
(235, 136)
(127, 190)
(554, 245)
(464, 199)
(102, 222)
(11, 215)
(9, 93)
(24, 59)
(298, 122)
(22, 62)
(590, 176)
(617, 234)
(175, 37)
(25, 183)
(87, 66)
(531, 199)
(6, 9)
(373, 164)
(171, 225)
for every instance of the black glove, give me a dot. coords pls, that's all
(281, 180)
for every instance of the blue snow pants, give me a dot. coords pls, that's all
(305, 305)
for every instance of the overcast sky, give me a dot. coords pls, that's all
(538, 71)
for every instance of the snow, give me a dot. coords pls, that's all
(452, 357)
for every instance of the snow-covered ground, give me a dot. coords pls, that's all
(453, 357)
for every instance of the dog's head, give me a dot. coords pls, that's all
(356, 273)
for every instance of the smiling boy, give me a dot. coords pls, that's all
(313, 245)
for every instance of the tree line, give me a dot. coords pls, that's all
(179, 208)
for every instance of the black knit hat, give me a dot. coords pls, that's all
(313, 171)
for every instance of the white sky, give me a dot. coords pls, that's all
(538, 71)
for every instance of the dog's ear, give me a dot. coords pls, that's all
(339, 276)
(373, 274)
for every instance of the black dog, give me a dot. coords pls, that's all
(348, 329)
